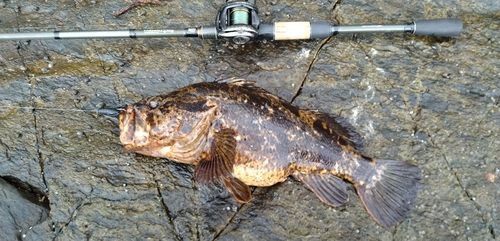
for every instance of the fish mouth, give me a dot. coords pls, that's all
(126, 122)
(134, 126)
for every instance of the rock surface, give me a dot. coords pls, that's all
(430, 101)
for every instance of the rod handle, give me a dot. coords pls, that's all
(444, 27)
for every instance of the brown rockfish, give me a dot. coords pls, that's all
(241, 135)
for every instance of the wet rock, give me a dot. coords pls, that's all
(21, 209)
(430, 101)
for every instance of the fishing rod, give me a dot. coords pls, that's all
(240, 23)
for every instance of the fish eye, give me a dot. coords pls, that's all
(153, 104)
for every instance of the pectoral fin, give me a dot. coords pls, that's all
(217, 166)
(329, 188)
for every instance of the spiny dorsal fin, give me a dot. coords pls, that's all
(218, 166)
(333, 126)
(237, 81)
(330, 189)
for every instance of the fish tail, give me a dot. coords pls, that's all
(389, 191)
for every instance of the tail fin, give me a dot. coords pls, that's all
(390, 190)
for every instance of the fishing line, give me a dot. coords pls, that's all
(101, 111)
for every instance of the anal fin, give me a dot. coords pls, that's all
(330, 189)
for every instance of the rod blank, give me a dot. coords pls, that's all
(131, 33)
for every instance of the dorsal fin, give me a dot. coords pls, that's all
(236, 81)
(333, 126)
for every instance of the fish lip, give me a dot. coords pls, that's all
(126, 122)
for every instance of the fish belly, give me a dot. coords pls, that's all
(259, 175)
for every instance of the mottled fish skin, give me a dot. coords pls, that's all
(242, 135)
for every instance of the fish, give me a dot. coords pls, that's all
(240, 135)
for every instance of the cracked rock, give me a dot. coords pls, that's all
(433, 102)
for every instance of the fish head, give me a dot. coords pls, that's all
(141, 126)
(166, 127)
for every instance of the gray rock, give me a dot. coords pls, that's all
(433, 102)
(21, 209)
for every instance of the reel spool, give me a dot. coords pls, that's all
(238, 21)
